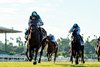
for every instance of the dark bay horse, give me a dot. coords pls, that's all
(98, 51)
(76, 49)
(33, 44)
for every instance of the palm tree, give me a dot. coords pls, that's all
(18, 40)
(88, 38)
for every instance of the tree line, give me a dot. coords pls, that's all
(63, 47)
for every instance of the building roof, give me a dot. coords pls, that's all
(7, 30)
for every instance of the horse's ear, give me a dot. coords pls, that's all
(47, 36)
(31, 17)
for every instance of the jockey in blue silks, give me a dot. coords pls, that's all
(34, 20)
(77, 28)
(52, 38)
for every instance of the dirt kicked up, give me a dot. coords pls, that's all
(49, 64)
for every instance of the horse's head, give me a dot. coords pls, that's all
(48, 39)
(34, 32)
(74, 32)
(33, 28)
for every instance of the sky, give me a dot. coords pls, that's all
(58, 16)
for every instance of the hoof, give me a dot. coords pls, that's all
(76, 62)
(72, 62)
(30, 60)
(34, 63)
(83, 61)
(39, 61)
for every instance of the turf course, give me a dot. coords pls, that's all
(48, 64)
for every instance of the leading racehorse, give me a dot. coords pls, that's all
(33, 44)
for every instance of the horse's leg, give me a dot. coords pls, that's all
(55, 55)
(48, 55)
(98, 57)
(29, 54)
(71, 56)
(99, 53)
(41, 53)
(82, 57)
(36, 52)
(76, 58)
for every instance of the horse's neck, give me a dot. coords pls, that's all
(74, 33)
(30, 34)
(51, 45)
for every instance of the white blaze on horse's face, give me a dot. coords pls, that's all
(30, 29)
(47, 40)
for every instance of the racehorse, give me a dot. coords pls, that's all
(33, 44)
(98, 51)
(50, 50)
(76, 49)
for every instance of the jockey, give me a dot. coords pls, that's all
(77, 28)
(34, 20)
(52, 38)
